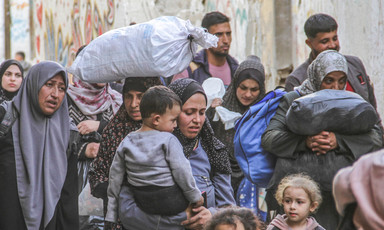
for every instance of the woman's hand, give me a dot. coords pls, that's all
(216, 102)
(196, 222)
(322, 142)
(92, 150)
(88, 126)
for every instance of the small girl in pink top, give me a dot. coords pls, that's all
(300, 197)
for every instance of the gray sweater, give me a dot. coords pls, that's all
(150, 158)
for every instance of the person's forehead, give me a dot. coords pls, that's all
(57, 78)
(134, 92)
(13, 67)
(196, 101)
(221, 27)
(322, 35)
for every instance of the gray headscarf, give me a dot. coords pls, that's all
(40, 144)
(326, 62)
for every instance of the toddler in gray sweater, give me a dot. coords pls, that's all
(153, 161)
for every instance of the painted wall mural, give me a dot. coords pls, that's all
(60, 27)
(19, 34)
(59, 33)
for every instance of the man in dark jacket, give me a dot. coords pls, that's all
(321, 31)
(213, 62)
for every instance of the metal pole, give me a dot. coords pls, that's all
(7, 29)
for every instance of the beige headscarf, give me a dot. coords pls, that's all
(326, 62)
(362, 183)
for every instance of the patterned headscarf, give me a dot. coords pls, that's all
(251, 68)
(215, 149)
(326, 62)
(119, 127)
(92, 99)
(5, 95)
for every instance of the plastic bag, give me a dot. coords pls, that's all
(88, 204)
(214, 88)
(331, 110)
(161, 47)
(226, 116)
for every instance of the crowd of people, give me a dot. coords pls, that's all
(153, 156)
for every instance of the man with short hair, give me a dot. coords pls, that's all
(321, 31)
(213, 62)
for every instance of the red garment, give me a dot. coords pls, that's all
(349, 87)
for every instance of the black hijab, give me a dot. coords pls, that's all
(5, 95)
(215, 149)
(251, 68)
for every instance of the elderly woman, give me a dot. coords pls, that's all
(11, 77)
(322, 155)
(126, 120)
(209, 162)
(246, 88)
(38, 169)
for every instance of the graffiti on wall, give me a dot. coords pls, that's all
(19, 32)
(84, 22)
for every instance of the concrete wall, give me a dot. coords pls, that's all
(20, 31)
(361, 33)
(270, 29)
(61, 26)
(2, 31)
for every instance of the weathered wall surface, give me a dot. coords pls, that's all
(2, 31)
(20, 31)
(361, 33)
(272, 30)
(61, 27)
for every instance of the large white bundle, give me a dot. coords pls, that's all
(160, 47)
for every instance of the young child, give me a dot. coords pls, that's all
(152, 159)
(234, 218)
(300, 196)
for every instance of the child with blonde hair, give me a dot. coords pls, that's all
(300, 196)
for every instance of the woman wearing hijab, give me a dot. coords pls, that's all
(37, 170)
(91, 106)
(209, 162)
(126, 120)
(322, 155)
(246, 88)
(11, 77)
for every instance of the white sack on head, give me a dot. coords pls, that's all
(160, 47)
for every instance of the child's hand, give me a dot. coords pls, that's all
(199, 203)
